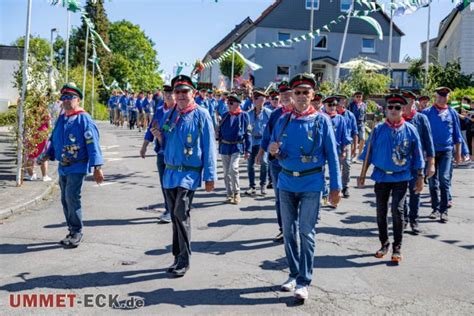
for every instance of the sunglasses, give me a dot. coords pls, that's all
(68, 97)
(257, 96)
(181, 91)
(394, 107)
(302, 92)
(275, 99)
(232, 102)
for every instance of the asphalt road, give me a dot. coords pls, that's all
(236, 268)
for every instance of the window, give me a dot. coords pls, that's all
(345, 5)
(310, 2)
(368, 45)
(283, 37)
(283, 73)
(321, 42)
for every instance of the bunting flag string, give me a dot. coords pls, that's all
(361, 14)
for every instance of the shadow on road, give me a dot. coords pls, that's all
(86, 280)
(242, 221)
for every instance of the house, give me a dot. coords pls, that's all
(286, 19)
(10, 57)
(455, 39)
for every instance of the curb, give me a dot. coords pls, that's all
(5, 213)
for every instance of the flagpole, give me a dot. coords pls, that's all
(20, 140)
(311, 29)
(390, 41)
(338, 66)
(427, 61)
(85, 69)
(93, 81)
(232, 71)
(67, 42)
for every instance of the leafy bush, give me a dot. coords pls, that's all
(8, 118)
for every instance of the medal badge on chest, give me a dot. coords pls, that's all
(72, 138)
(306, 159)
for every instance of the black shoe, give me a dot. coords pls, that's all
(415, 228)
(270, 186)
(75, 240)
(173, 266)
(279, 237)
(434, 214)
(66, 240)
(180, 270)
(345, 193)
(443, 218)
(383, 250)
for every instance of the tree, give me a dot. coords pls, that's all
(367, 81)
(226, 66)
(449, 76)
(134, 59)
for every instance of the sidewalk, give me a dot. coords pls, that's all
(30, 192)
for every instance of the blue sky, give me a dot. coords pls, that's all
(202, 23)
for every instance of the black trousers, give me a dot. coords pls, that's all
(383, 191)
(179, 202)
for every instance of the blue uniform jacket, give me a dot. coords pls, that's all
(112, 102)
(124, 103)
(423, 127)
(445, 127)
(235, 128)
(395, 154)
(139, 104)
(341, 132)
(158, 118)
(358, 111)
(147, 105)
(300, 137)
(74, 142)
(193, 131)
(351, 124)
(222, 108)
(209, 106)
(267, 133)
(258, 124)
(246, 105)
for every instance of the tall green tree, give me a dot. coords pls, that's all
(226, 66)
(134, 58)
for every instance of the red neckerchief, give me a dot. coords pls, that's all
(310, 110)
(79, 111)
(341, 112)
(236, 112)
(331, 114)
(286, 109)
(190, 107)
(410, 116)
(439, 107)
(395, 125)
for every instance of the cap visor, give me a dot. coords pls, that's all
(183, 87)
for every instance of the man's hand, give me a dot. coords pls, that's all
(157, 134)
(209, 186)
(98, 176)
(334, 197)
(458, 158)
(360, 182)
(274, 148)
(431, 170)
(247, 155)
(143, 152)
(259, 156)
(419, 185)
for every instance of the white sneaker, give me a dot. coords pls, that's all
(289, 285)
(47, 179)
(33, 177)
(301, 292)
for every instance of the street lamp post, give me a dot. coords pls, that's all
(67, 42)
